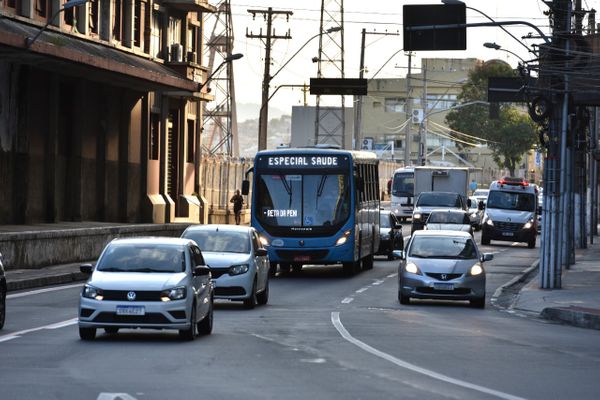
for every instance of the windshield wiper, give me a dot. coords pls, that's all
(112, 269)
(147, 270)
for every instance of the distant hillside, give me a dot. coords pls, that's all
(248, 111)
(279, 132)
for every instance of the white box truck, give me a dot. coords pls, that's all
(439, 188)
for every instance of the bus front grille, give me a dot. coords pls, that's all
(302, 255)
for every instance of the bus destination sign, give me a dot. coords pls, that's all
(303, 161)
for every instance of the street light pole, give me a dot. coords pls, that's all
(264, 108)
(496, 46)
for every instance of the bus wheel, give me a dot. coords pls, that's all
(367, 262)
(351, 268)
(284, 267)
(296, 267)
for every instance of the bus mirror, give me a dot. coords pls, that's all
(245, 187)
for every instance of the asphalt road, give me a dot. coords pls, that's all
(322, 336)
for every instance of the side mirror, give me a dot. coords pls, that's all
(398, 226)
(399, 254)
(480, 206)
(540, 210)
(245, 187)
(201, 270)
(86, 268)
(260, 252)
(469, 203)
(487, 257)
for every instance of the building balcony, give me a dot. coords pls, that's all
(191, 5)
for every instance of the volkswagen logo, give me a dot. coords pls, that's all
(508, 219)
(301, 242)
(444, 277)
(131, 296)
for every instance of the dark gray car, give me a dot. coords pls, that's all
(2, 294)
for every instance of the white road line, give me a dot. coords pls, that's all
(347, 300)
(56, 325)
(362, 289)
(392, 275)
(337, 323)
(378, 282)
(38, 291)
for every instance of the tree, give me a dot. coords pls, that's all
(509, 136)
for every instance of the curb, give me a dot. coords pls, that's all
(58, 279)
(577, 316)
(524, 277)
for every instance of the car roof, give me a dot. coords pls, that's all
(219, 227)
(155, 240)
(446, 233)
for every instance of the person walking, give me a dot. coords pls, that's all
(238, 202)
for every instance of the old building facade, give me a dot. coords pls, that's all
(100, 110)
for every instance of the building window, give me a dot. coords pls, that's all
(154, 136)
(42, 9)
(394, 104)
(118, 20)
(156, 45)
(137, 23)
(192, 43)
(93, 17)
(191, 137)
(441, 102)
(174, 35)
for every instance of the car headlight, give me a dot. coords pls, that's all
(91, 292)
(177, 293)
(476, 270)
(344, 238)
(412, 268)
(489, 221)
(238, 269)
(528, 225)
(264, 241)
(416, 216)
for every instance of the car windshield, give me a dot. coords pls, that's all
(142, 258)
(446, 217)
(385, 220)
(442, 247)
(302, 200)
(481, 193)
(511, 200)
(220, 241)
(403, 184)
(439, 200)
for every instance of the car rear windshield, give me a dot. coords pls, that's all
(448, 218)
(220, 241)
(442, 247)
(142, 258)
(439, 200)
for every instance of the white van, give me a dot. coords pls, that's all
(510, 212)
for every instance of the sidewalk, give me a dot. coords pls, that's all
(20, 279)
(577, 303)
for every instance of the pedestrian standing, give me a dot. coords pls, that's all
(238, 202)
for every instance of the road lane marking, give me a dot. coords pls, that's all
(56, 325)
(363, 289)
(38, 291)
(337, 323)
(347, 300)
(115, 396)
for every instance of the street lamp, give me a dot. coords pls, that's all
(496, 46)
(227, 59)
(73, 3)
(264, 108)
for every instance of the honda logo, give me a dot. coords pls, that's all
(444, 277)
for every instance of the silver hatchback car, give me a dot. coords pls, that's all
(155, 283)
(444, 265)
(237, 260)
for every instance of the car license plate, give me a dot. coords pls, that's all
(302, 258)
(443, 286)
(130, 310)
(508, 234)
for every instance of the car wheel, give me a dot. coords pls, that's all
(2, 309)
(531, 243)
(87, 333)
(367, 262)
(111, 330)
(251, 301)
(205, 326)
(478, 303)
(263, 297)
(297, 267)
(403, 299)
(484, 239)
(272, 269)
(192, 331)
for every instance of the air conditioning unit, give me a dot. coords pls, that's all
(417, 116)
(176, 52)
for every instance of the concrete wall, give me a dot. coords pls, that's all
(37, 249)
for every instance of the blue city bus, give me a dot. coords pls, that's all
(316, 206)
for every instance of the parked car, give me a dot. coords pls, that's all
(238, 262)
(390, 234)
(444, 265)
(481, 195)
(2, 294)
(455, 220)
(476, 211)
(150, 283)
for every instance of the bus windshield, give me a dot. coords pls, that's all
(302, 200)
(511, 200)
(404, 184)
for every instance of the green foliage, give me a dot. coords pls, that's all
(511, 135)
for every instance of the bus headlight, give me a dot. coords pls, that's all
(344, 238)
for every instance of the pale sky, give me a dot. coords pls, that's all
(380, 16)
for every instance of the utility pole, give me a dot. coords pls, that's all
(423, 123)
(408, 108)
(269, 15)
